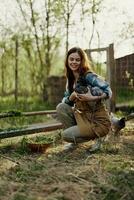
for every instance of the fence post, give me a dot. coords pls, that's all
(111, 74)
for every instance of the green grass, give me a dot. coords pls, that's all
(125, 96)
(19, 122)
(24, 104)
(7, 105)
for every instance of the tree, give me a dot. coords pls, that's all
(2, 47)
(90, 10)
(46, 40)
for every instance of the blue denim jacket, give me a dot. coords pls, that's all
(92, 80)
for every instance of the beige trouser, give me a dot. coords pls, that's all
(72, 132)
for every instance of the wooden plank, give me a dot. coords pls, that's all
(111, 74)
(39, 113)
(13, 114)
(31, 130)
(97, 49)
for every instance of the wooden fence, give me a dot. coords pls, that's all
(111, 72)
(31, 129)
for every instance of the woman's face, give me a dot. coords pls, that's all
(74, 61)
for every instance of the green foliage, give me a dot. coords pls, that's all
(17, 120)
(100, 69)
(42, 139)
(58, 66)
(14, 113)
(25, 104)
(39, 39)
(125, 95)
(22, 148)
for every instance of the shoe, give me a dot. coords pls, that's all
(70, 147)
(96, 146)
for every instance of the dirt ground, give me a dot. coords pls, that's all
(107, 174)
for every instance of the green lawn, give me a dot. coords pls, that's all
(23, 105)
(125, 96)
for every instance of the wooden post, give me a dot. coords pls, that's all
(111, 74)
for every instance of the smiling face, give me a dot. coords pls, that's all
(74, 61)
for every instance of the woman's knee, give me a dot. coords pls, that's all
(62, 107)
(70, 134)
(67, 137)
(59, 107)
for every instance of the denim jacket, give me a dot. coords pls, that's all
(92, 80)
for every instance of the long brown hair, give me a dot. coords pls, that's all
(85, 66)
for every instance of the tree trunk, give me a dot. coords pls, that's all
(16, 71)
(2, 76)
(67, 27)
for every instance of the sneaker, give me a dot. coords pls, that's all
(70, 146)
(96, 146)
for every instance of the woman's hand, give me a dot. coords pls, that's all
(88, 97)
(73, 96)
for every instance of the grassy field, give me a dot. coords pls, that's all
(125, 97)
(24, 105)
(107, 174)
(58, 175)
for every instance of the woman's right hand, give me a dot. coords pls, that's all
(73, 96)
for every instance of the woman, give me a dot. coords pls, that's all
(83, 115)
